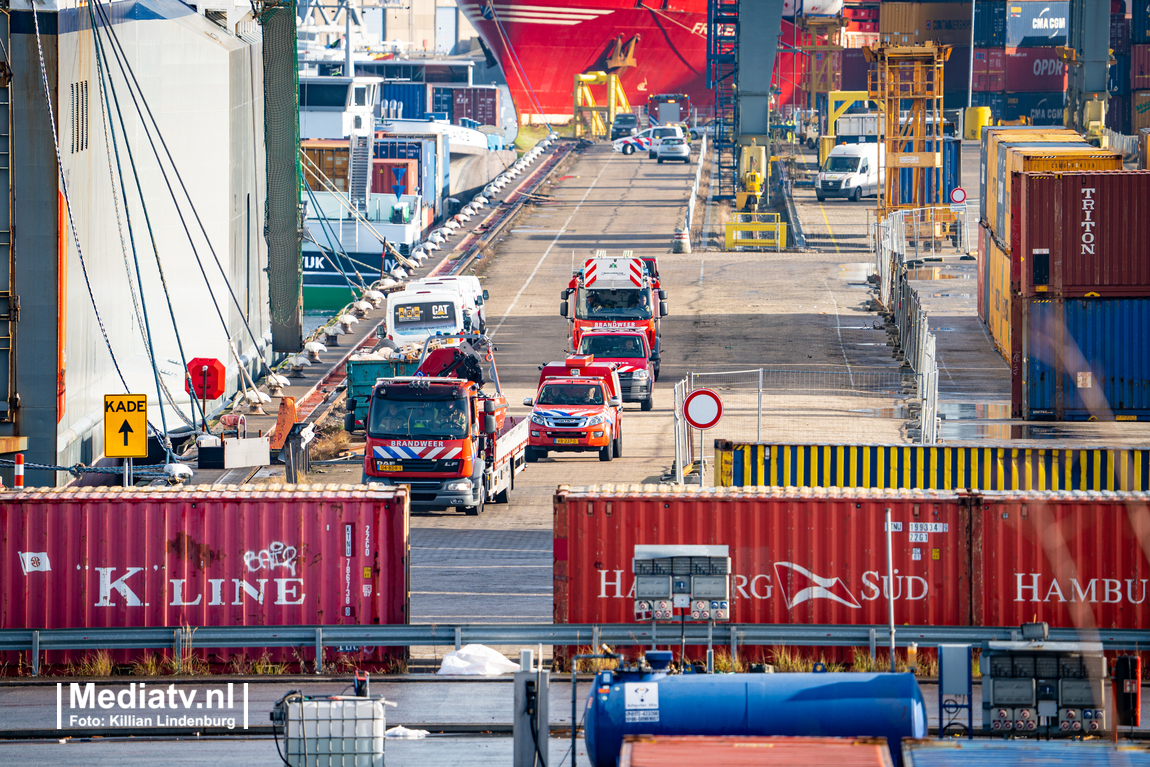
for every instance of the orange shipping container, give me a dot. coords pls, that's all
(751, 751)
(997, 317)
(990, 169)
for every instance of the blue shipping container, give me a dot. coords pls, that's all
(1036, 24)
(1119, 73)
(1039, 108)
(1086, 359)
(1017, 753)
(1001, 181)
(411, 96)
(1140, 22)
(990, 24)
(951, 167)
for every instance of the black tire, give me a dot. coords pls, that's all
(628, 149)
(856, 195)
(655, 372)
(648, 403)
(819, 197)
(476, 510)
(606, 453)
(660, 161)
(504, 495)
(810, 143)
(617, 446)
(650, 155)
(529, 455)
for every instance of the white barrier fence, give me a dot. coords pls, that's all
(693, 198)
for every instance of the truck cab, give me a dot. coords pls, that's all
(630, 354)
(421, 312)
(441, 433)
(614, 293)
(851, 171)
(577, 408)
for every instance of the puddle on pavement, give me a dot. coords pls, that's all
(929, 273)
(856, 273)
(973, 411)
(882, 412)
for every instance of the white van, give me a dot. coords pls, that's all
(422, 311)
(472, 291)
(850, 171)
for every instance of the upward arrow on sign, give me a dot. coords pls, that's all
(126, 429)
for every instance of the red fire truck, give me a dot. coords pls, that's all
(445, 431)
(669, 108)
(614, 293)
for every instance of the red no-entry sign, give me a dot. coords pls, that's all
(702, 408)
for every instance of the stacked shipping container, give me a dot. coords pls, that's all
(1063, 274)
(819, 556)
(1015, 59)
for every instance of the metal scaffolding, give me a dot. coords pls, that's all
(907, 85)
(722, 47)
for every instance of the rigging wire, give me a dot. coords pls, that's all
(72, 221)
(126, 70)
(162, 389)
(330, 241)
(522, 72)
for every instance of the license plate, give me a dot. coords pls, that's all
(388, 467)
(566, 442)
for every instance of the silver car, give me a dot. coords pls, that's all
(673, 149)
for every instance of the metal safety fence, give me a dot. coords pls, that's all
(905, 240)
(181, 639)
(683, 455)
(1127, 145)
(785, 404)
(693, 197)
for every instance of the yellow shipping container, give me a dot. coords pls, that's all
(1024, 159)
(911, 23)
(991, 168)
(998, 305)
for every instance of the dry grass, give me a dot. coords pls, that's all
(724, 665)
(787, 660)
(148, 664)
(264, 666)
(189, 664)
(97, 663)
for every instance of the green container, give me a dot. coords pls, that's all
(361, 378)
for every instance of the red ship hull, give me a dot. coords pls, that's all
(543, 44)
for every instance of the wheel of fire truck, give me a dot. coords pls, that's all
(607, 452)
(504, 495)
(477, 509)
(648, 403)
(628, 149)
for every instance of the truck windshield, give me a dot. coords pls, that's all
(418, 418)
(570, 394)
(842, 164)
(424, 318)
(612, 346)
(609, 304)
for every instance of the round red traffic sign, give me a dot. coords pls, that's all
(958, 195)
(702, 408)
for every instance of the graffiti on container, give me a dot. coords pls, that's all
(277, 554)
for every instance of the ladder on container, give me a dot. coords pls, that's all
(9, 303)
(359, 174)
(722, 45)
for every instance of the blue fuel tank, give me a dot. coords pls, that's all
(823, 704)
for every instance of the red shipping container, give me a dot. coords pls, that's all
(202, 557)
(1093, 227)
(989, 70)
(480, 104)
(751, 751)
(387, 174)
(1034, 70)
(1140, 67)
(808, 556)
(1072, 561)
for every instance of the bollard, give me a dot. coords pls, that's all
(18, 480)
(681, 242)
